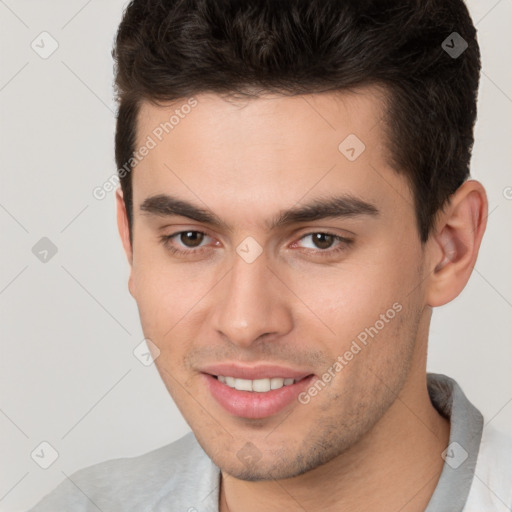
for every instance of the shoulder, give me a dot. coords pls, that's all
(169, 478)
(492, 483)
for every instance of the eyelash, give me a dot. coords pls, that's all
(343, 243)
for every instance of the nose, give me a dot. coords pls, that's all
(252, 303)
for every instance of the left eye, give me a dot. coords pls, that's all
(323, 241)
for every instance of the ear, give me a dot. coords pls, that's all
(453, 246)
(124, 233)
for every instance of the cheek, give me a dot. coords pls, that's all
(170, 297)
(365, 302)
(160, 291)
(349, 298)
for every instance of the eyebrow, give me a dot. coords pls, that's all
(337, 207)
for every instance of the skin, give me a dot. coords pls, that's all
(371, 439)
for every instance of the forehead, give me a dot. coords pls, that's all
(284, 119)
(266, 153)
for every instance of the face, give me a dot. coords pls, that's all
(274, 254)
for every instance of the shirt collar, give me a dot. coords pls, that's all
(460, 456)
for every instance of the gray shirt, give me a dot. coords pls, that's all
(180, 477)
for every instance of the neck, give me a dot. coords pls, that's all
(395, 466)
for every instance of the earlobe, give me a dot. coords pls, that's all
(455, 243)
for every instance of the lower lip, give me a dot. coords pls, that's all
(251, 404)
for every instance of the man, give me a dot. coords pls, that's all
(294, 203)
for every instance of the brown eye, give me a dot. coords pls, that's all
(326, 244)
(191, 238)
(323, 240)
(183, 244)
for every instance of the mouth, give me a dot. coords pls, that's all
(256, 398)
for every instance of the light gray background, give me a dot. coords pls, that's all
(69, 326)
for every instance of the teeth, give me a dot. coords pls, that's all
(257, 385)
(243, 384)
(260, 385)
(276, 383)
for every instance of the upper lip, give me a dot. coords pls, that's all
(262, 371)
